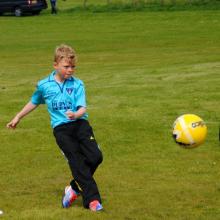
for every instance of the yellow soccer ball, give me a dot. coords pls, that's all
(189, 131)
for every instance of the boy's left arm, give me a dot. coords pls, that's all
(80, 98)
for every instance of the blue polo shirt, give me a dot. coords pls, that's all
(60, 97)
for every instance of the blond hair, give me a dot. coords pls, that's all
(64, 52)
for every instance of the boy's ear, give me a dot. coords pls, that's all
(55, 65)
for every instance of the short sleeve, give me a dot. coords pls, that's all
(37, 97)
(80, 96)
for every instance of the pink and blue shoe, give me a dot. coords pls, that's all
(95, 206)
(69, 197)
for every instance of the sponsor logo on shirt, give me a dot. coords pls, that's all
(61, 105)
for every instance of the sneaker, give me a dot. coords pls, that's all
(69, 197)
(95, 206)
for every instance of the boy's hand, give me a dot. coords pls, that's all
(71, 115)
(13, 123)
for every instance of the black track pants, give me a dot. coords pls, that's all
(77, 141)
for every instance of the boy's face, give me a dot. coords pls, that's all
(64, 68)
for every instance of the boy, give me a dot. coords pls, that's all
(53, 6)
(64, 96)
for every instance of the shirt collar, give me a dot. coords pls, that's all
(52, 78)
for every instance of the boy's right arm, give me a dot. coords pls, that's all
(27, 109)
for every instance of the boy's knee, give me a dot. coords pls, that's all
(97, 159)
(100, 157)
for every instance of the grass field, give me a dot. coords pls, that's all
(141, 71)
